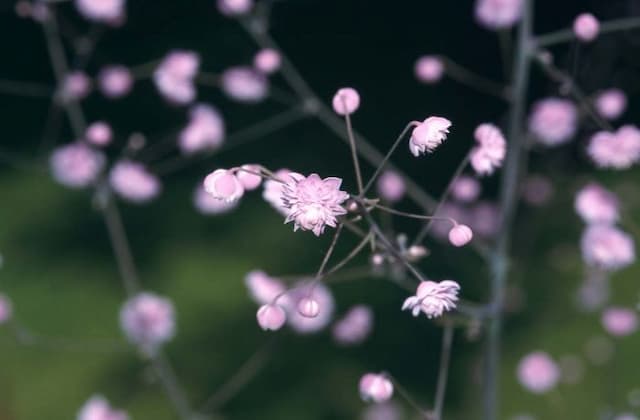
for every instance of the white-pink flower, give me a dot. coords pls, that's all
(76, 165)
(620, 322)
(244, 84)
(249, 176)
(223, 184)
(489, 154)
(498, 14)
(428, 135)
(611, 103)
(133, 182)
(313, 203)
(594, 204)
(375, 387)
(391, 186)
(98, 408)
(433, 298)
(553, 121)
(586, 27)
(429, 69)
(538, 372)
(148, 320)
(272, 192)
(101, 10)
(263, 288)
(355, 326)
(619, 150)
(206, 204)
(115, 81)
(205, 130)
(607, 247)
(174, 76)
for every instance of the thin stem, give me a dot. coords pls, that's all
(467, 77)
(349, 256)
(171, 385)
(407, 396)
(567, 35)
(413, 215)
(329, 252)
(354, 149)
(443, 374)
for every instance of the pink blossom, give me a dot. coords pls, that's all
(6, 309)
(465, 189)
(553, 121)
(355, 326)
(263, 288)
(234, 7)
(617, 150)
(607, 247)
(99, 133)
(98, 408)
(428, 135)
(273, 191)
(115, 81)
(611, 103)
(498, 14)
(76, 165)
(267, 61)
(205, 130)
(460, 235)
(244, 84)
(620, 322)
(316, 291)
(312, 202)
(248, 178)
(594, 204)
(206, 204)
(133, 182)
(537, 190)
(433, 298)
(391, 186)
(429, 69)
(75, 86)
(538, 372)
(271, 317)
(375, 387)
(586, 27)
(148, 320)
(488, 155)
(223, 184)
(346, 101)
(308, 307)
(101, 10)
(174, 76)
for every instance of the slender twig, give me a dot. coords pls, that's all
(329, 252)
(20, 88)
(407, 396)
(467, 77)
(443, 374)
(567, 35)
(353, 147)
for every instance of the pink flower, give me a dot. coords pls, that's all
(308, 307)
(586, 27)
(538, 372)
(433, 298)
(234, 7)
(6, 309)
(273, 191)
(244, 84)
(101, 10)
(620, 322)
(429, 69)
(76, 165)
(375, 387)
(75, 86)
(267, 61)
(553, 121)
(264, 289)
(206, 204)
(248, 178)
(460, 235)
(488, 155)
(316, 291)
(205, 130)
(271, 317)
(98, 408)
(174, 76)
(391, 186)
(617, 150)
(148, 320)
(498, 14)
(355, 326)
(428, 135)
(611, 103)
(346, 101)
(99, 133)
(312, 202)
(465, 189)
(607, 247)
(223, 184)
(115, 81)
(537, 190)
(597, 205)
(131, 181)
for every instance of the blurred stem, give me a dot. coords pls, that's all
(466, 77)
(445, 356)
(354, 148)
(508, 201)
(567, 35)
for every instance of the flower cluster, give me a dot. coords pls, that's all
(488, 155)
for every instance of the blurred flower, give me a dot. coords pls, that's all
(484, 219)
(498, 14)
(131, 181)
(391, 186)
(538, 372)
(611, 103)
(101, 10)
(273, 189)
(429, 69)
(263, 288)
(488, 155)
(76, 85)
(617, 150)
(316, 291)
(6, 309)
(460, 235)
(553, 121)
(586, 27)
(98, 408)
(620, 322)
(465, 189)
(271, 317)
(312, 202)
(433, 298)
(76, 165)
(607, 247)
(594, 204)
(382, 411)
(205, 203)
(174, 76)
(428, 135)
(248, 178)
(375, 387)
(267, 61)
(115, 81)
(244, 84)
(148, 320)
(234, 7)
(205, 130)
(346, 101)
(223, 184)
(99, 133)
(355, 326)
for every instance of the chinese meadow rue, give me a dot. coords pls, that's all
(620, 322)
(498, 14)
(133, 182)
(312, 202)
(553, 121)
(346, 101)
(174, 76)
(272, 192)
(204, 132)
(428, 135)
(429, 69)
(538, 373)
(355, 326)
(98, 408)
(619, 150)
(490, 151)
(375, 387)
(244, 84)
(607, 247)
(611, 103)
(594, 204)
(586, 27)
(460, 235)
(148, 320)
(465, 189)
(76, 165)
(223, 185)
(433, 298)
(271, 317)
(309, 290)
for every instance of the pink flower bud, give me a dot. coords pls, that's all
(429, 69)
(620, 322)
(428, 135)
(377, 259)
(75, 86)
(223, 185)
(248, 178)
(133, 182)
(355, 326)
(271, 317)
(586, 27)
(101, 10)
(346, 101)
(538, 372)
(115, 81)
(244, 84)
(391, 186)
(267, 61)
(76, 165)
(498, 14)
(415, 252)
(234, 7)
(99, 133)
(308, 307)
(148, 320)
(375, 387)
(466, 189)
(611, 103)
(460, 235)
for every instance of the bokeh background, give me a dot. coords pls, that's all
(59, 270)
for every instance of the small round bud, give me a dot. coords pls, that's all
(429, 69)
(415, 252)
(586, 27)
(460, 235)
(346, 101)
(223, 185)
(308, 307)
(375, 387)
(99, 133)
(377, 259)
(248, 177)
(267, 61)
(391, 186)
(271, 317)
